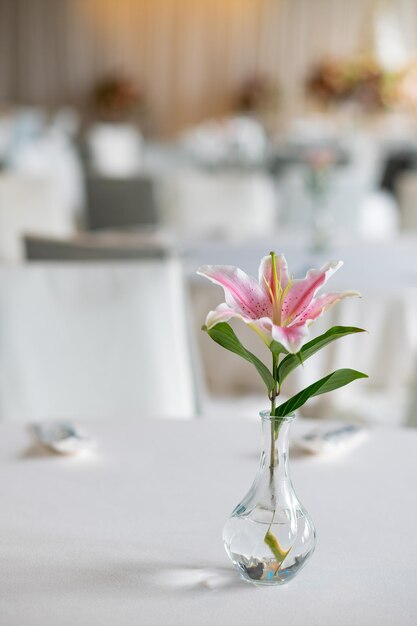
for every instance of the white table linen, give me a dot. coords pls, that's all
(132, 534)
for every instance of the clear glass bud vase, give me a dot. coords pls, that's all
(270, 536)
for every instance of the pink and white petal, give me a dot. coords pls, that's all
(263, 327)
(265, 272)
(320, 305)
(222, 313)
(302, 291)
(291, 337)
(242, 292)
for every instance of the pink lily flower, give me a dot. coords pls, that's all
(277, 307)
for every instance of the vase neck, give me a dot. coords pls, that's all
(275, 435)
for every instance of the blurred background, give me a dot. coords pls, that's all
(140, 139)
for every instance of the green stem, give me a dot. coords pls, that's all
(273, 404)
(274, 391)
(270, 539)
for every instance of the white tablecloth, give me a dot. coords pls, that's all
(132, 535)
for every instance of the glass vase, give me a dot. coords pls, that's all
(269, 537)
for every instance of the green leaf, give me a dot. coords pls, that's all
(292, 361)
(337, 379)
(277, 348)
(223, 335)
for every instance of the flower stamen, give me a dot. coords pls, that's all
(277, 291)
(261, 334)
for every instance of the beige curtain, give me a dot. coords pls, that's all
(190, 56)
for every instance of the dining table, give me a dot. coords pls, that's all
(130, 531)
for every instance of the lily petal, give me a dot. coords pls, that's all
(320, 305)
(302, 291)
(263, 326)
(265, 273)
(242, 292)
(224, 313)
(291, 337)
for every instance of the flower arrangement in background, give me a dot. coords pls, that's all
(258, 93)
(403, 89)
(360, 80)
(260, 96)
(280, 309)
(116, 99)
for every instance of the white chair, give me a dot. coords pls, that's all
(115, 149)
(378, 216)
(231, 205)
(387, 353)
(406, 189)
(29, 204)
(94, 340)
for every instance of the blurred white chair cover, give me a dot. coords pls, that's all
(387, 353)
(225, 205)
(94, 340)
(407, 198)
(115, 149)
(378, 216)
(29, 204)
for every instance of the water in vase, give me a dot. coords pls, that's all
(269, 536)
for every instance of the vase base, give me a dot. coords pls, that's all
(267, 572)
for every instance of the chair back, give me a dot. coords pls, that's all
(230, 205)
(87, 247)
(98, 340)
(121, 202)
